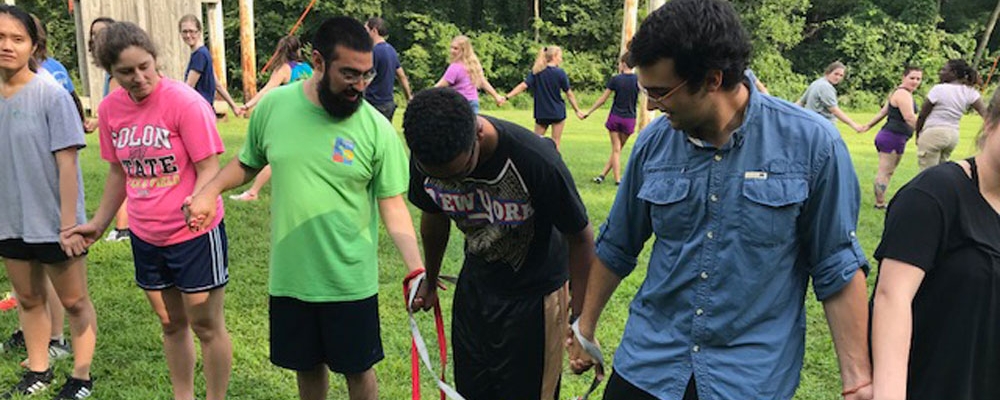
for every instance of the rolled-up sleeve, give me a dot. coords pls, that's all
(623, 234)
(828, 223)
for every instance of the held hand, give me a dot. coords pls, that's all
(90, 125)
(89, 233)
(72, 245)
(501, 100)
(199, 211)
(579, 360)
(581, 116)
(240, 112)
(426, 297)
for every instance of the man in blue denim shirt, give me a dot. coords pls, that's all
(748, 197)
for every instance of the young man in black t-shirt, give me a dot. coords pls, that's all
(526, 232)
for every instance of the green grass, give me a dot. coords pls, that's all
(129, 362)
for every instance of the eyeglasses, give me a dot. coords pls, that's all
(469, 166)
(354, 76)
(660, 99)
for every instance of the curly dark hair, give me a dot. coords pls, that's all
(699, 35)
(439, 125)
(962, 72)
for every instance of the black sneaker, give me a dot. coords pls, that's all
(14, 342)
(75, 389)
(31, 383)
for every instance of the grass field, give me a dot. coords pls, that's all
(129, 363)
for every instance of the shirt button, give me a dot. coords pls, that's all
(853, 234)
(713, 197)
(704, 275)
(718, 157)
(710, 235)
(699, 312)
(695, 348)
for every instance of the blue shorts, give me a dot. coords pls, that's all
(197, 265)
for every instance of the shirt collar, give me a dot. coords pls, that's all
(739, 135)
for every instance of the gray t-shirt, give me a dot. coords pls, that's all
(36, 122)
(950, 100)
(820, 97)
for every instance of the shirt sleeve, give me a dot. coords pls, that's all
(105, 140)
(563, 81)
(391, 175)
(417, 195)
(622, 236)
(530, 80)
(934, 95)
(828, 223)
(196, 128)
(611, 83)
(452, 74)
(252, 154)
(65, 129)
(199, 62)
(560, 200)
(914, 229)
(828, 96)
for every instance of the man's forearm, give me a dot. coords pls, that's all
(434, 230)
(398, 223)
(234, 174)
(847, 316)
(601, 284)
(581, 257)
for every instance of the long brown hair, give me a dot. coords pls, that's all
(467, 57)
(289, 49)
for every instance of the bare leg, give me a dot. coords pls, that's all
(70, 282)
(56, 311)
(557, 129)
(28, 280)
(313, 385)
(178, 344)
(362, 386)
(540, 129)
(209, 324)
(121, 217)
(887, 163)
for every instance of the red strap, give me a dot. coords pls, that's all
(442, 341)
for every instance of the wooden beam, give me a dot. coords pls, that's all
(248, 51)
(82, 35)
(8, 2)
(645, 116)
(217, 42)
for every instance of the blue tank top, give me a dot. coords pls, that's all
(300, 71)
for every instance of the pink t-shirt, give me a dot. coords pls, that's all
(458, 78)
(158, 141)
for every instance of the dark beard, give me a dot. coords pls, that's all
(337, 104)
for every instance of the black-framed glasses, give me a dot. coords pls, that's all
(660, 99)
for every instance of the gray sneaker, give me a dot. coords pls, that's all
(59, 349)
(14, 343)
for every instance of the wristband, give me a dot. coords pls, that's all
(61, 230)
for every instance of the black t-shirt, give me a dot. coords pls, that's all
(940, 223)
(626, 88)
(512, 209)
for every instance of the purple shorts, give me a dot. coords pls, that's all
(620, 124)
(890, 142)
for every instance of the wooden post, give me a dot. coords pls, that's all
(645, 115)
(538, 18)
(248, 51)
(82, 36)
(216, 40)
(8, 2)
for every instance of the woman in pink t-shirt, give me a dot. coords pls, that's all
(160, 139)
(465, 73)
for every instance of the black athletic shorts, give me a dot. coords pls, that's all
(548, 121)
(45, 253)
(508, 347)
(344, 336)
(620, 389)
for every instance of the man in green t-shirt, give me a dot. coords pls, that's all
(333, 158)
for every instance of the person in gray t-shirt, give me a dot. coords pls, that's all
(821, 96)
(41, 198)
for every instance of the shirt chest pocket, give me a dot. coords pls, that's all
(671, 213)
(769, 209)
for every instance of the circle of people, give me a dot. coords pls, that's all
(749, 198)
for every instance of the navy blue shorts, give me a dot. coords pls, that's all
(548, 121)
(197, 265)
(345, 336)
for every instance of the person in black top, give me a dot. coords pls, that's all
(526, 231)
(936, 306)
(545, 81)
(891, 139)
(621, 119)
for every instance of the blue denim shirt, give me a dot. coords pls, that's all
(739, 230)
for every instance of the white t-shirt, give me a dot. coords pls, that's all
(951, 100)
